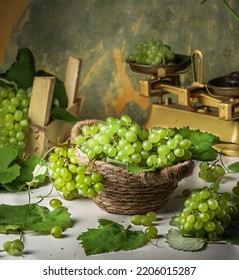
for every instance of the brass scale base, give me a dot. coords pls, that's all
(168, 114)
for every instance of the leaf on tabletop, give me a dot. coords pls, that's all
(232, 233)
(179, 242)
(234, 167)
(111, 237)
(202, 143)
(33, 217)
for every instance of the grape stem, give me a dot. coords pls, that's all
(9, 83)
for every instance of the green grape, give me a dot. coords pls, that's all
(226, 196)
(215, 186)
(161, 161)
(203, 165)
(151, 160)
(205, 193)
(153, 137)
(56, 231)
(146, 145)
(179, 152)
(55, 203)
(187, 227)
(203, 207)
(135, 128)
(196, 196)
(198, 224)
(129, 149)
(6, 245)
(90, 192)
(209, 226)
(96, 177)
(185, 144)
(146, 220)
(70, 185)
(235, 190)
(172, 144)
(144, 134)
(136, 158)
(190, 219)
(204, 217)
(126, 119)
(131, 136)
(18, 244)
(136, 219)
(151, 232)
(218, 169)
(98, 187)
(212, 235)
(171, 157)
(163, 150)
(212, 204)
(152, 215)
(219, 229)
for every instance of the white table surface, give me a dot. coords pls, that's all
(86, 213)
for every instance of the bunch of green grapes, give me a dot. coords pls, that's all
(207, 213)
(153, 52)
(14, 106)
(14, 248)
(71, 177)
(122, 139)
(146, 220)
(211, 172)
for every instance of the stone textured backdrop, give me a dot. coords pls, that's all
(104, 32)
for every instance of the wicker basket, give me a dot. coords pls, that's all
(133, 193)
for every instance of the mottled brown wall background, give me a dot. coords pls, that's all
(104, 32)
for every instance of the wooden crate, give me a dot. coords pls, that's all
(44, 133)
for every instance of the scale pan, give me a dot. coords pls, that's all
(225, 86)
(182, 62)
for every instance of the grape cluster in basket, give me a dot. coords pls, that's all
(153, 52)
(123, 140)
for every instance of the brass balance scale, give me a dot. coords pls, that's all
(211, 107)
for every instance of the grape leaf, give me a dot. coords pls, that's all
(59, 113)
(233, 167)
(22, 71)
(15, 173)
(32, 217)
(110, 237)
(179, 242)
(132, 168)
(202, 143)
(8, 154)
(9, 174)
(27, 168)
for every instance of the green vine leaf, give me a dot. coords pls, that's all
(234, 167)
(111, 237)
(176, 241)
